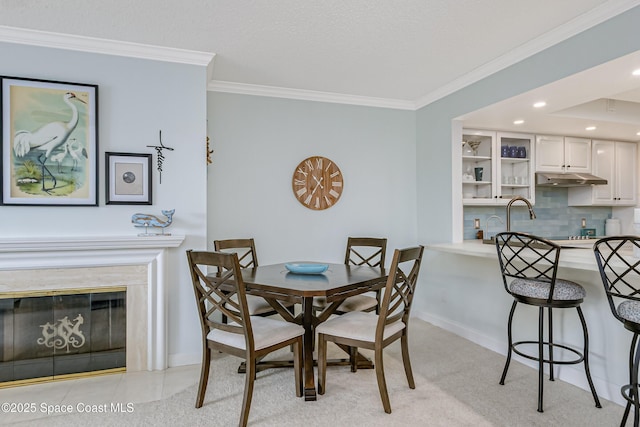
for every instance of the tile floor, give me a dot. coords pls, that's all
(133, 387)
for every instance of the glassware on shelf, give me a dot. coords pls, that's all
(522, 152)
(520, 180)
(477, 173)
(474, 146)
(466, 150)
(468, 174)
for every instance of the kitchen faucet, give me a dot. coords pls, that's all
(532, 214)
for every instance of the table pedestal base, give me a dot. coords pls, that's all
(362, 362)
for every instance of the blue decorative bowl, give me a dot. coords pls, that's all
(306, 268)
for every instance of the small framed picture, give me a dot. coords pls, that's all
(128, 179)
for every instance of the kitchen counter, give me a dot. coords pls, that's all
(580, 256)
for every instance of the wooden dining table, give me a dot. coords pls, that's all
(277, 285)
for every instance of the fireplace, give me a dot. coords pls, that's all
(54, 335)
(62, 265)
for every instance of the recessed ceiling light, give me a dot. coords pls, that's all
(590, 128)
(539, 104)
(636, 72)
(638, 133)
(518, 122)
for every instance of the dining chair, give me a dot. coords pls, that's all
(530, 263)
(248, 258)
(360, 251)
(245, 336)
(373, 331)
(620, 274)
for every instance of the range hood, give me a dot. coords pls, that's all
(568, 179)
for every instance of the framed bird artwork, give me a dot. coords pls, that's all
(49, 143)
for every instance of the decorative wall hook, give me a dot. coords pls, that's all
(159, 149)
(209, 153)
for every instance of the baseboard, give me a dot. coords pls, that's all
(182, 359)
(571, 374)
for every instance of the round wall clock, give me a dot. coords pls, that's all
(317, 183)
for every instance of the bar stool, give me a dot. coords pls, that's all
(532, 263)
(621, 279)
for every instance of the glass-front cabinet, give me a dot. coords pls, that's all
(516, 166)
(496, 166)
(478, 154)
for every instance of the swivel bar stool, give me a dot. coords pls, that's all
(621, 279)
(532, 263)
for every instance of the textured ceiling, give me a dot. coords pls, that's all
(391, 49)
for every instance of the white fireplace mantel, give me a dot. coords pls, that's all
(101, 251)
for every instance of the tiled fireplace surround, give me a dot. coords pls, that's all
(138, 263)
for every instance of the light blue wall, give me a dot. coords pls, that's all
(258, 142)
(136, 99)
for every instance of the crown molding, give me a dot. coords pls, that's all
(308, 95)
(590, 19)
(575, 26)
(104, 46)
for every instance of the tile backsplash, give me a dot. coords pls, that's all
(553, 217)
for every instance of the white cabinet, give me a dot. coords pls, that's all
(478, 166)
(515, 168)
(506, 163)
(562, 154)
(617, 163)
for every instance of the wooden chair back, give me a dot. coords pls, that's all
(400, 288)
(214, 294)
(245, 248)
(366, 251)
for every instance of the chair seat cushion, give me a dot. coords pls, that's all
(364, 302)
(564, 290)
(357, 325)
(266, 332)
(258, 305)
(630, 310)
(359, 303)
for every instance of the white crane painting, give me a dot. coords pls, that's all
(52, 141)
(46, 139)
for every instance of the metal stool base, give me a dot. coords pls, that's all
(582, 357)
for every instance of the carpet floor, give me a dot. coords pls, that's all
(456, 385)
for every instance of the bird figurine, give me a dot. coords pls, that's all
(47, 138)
(146, 221)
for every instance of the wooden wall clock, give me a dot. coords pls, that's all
(317, 183)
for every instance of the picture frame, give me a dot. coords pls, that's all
(128, 179)
(49, 142)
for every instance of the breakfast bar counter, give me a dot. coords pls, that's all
(580, 257)
(463, 292)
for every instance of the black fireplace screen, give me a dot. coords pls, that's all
(53, 335)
